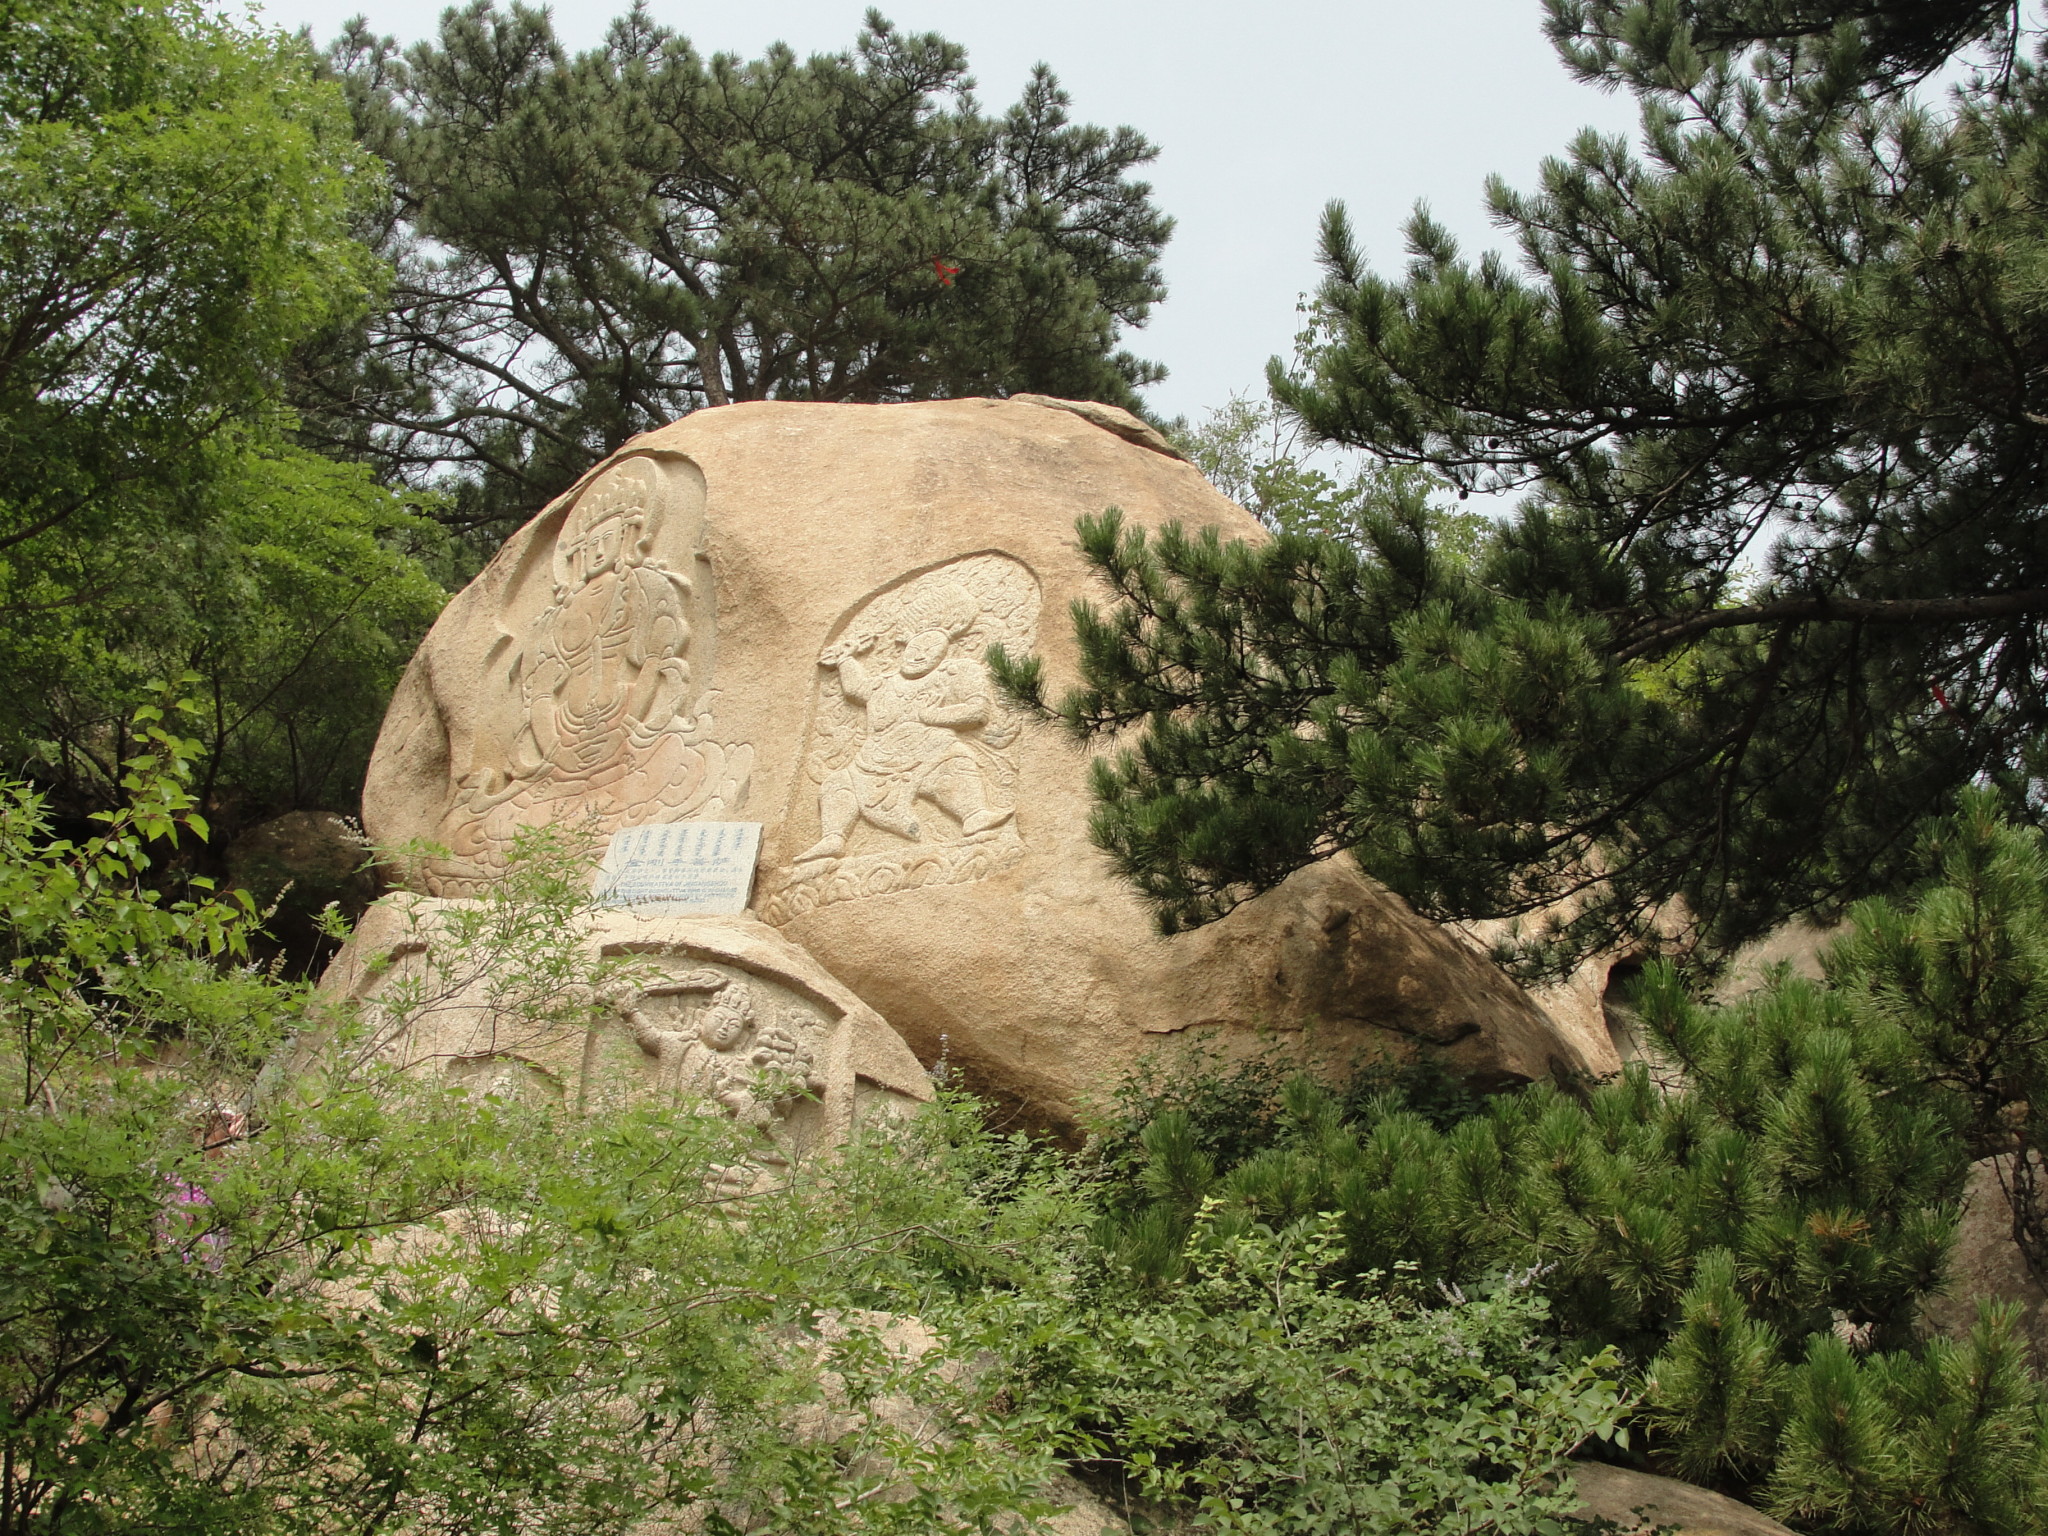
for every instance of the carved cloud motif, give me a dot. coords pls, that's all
(911, 777)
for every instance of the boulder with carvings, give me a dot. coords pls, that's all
(777, 613)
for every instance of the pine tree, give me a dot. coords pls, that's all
(1961, 972)
(1714, 1389)
(590, 245)
(1769, 387)
(1756, 1245)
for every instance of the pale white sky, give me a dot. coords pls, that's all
(1261, 112)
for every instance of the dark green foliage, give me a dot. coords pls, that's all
(1719, 1380)
(1274, 1402)
(589, 246)
(176, 202)
(1254, 670)
(1961, 972)
(1752, 1220)
(1721, 1250)
(1779, 1154)
(1770, 385)
(295, 596)
(1244, 1107)
(1953, 1437)
(1883, 43)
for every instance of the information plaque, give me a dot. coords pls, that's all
(681, 868)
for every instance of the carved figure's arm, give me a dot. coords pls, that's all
(843, 657)
(655, 612)
(854, 681)
(542, 727)
(645, 1035)
(972, 711)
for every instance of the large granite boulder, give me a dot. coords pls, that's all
(777, 613)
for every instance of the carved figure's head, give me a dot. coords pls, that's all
(942, 605)
(923, 651)
(613, 523)
(935, 615)
(727, 1019)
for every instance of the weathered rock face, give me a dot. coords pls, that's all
(1987, 1265)
(1578, 1006)
(1798, 946)
(1640, 1503)
(777, 613)
(722, 1013)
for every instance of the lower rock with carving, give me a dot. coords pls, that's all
(719, 1012)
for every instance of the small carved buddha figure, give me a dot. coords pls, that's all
(721, 1072)
(708, 1059)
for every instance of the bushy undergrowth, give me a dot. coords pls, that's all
(240, 1296)
(1267, 1392)
(1754, 1235)
(254, 1278)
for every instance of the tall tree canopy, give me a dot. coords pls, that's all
(177, 206)
(1773, 384)
(589, 246)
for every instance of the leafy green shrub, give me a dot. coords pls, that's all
(1274, 1398)
(1237, 1108)
(373, 1302)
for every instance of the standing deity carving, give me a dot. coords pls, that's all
(612, 725)
(912, 774)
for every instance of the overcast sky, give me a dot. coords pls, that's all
(1262, 112)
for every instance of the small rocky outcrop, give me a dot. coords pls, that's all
(1640, 1502)
(1987, 1265)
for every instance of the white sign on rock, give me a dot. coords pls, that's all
(681, 868)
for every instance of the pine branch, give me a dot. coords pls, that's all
(1846, 610)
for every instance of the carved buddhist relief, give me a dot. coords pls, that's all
(718, 1037)
(668, 1026)
(613, 717)
(911, 775)
(714, 1016)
